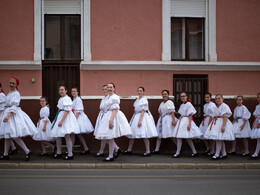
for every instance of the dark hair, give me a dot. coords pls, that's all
(44, 97)
(167, 91)
(104, 85)
(240, 96)
(0, 84)
(112, 84)
(76, 89)
(208, 94)
(184, 92)
(219, 95)
(258, 94)
(65, 87)
(141, 88)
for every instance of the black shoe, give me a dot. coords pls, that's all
(146, 154)
(253, 157)
(232, 153)
(56, 156)
(176, 156)
(215, 157)
(99, 155)
(108, 159)
(3, 157)
(15, 151)
(155, 152)
(28, 156)
(210, 154)
(85, 152)
(194, 155)
(44, 154)
(54, 151)
(223, 157)
(245, 154)
(68, 157)
(128, 152)
(117, 153)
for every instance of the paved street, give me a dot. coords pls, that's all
(129, 182)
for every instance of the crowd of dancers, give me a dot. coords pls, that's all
(111, 123)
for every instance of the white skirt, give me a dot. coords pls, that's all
(255, 133)
(121, 126)
(69, 125)
(215, 132)
(1, 118)
(85, 124)
(43, 135)
(147, 129)
(204, 127)
(164, 127)
(181, 131)
(245, 132)
(100, 116)
(18, 125)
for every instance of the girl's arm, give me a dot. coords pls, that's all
(141, 118)
(224, 124)
(173, 119)
(63, 118)
(44, 127)
(189, 125)
(242, 126)
(8, 116)
(77, 115)
(111, 125)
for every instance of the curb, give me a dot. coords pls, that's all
(129, 165)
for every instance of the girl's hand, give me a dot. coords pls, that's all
(241, 127)
(60, 124)
(222, 129)
(189, 126)
(139, 124)
(6, 119)
(258, 125)
(44, 129)
(174, 123)
(111, 125)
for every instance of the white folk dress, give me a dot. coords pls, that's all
(241, 113)
(255, 133)
(101, 113)
(214, 129)
(181, 131)
(43, 135)
(83, 121)
(121, 126)
(208, 110)
(70, 124)
(2, 107)
(148, 128)
(19, 124)
(164, 126)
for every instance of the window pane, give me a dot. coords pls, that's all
(52, 37)
(196, 39)
(72, 37)
(177, 39)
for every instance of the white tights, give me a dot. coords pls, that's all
(103, 145)
(257, 147)
(179, 145)
(81, 139)
(19, 141)
(146, 143)
(220, 147)
(44, 144)
(245, 141)
(159, 141)
(68, 144)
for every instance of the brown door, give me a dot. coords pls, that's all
(61, 56)
(195, 86)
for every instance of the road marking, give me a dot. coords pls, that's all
(126, 176)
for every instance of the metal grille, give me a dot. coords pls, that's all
(195, 86)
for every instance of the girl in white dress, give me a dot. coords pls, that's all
(83, 121)
(208, 110)
(44, 127)
(14, 122)
(220, 128)
(255, 133)
(142, 124)
(185, 127)
(100, 116)
(113, 124)
(241, 126)
(2, 107)
(166, 122)
(64, 124)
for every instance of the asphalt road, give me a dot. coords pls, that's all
(105, 182)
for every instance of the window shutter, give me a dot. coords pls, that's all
(188, 8)
(62, 6)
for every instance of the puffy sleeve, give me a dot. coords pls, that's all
(78, 106)
(190, 110)
(115, 102)
(246, 113)
(144, 104)
(226, 112)
(45, 113)
(159, 109)
(255, 112)
(67, 103)
(170, 106)
(15, 101)
(212, 108)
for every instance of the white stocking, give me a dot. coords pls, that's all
(257, 147)
(179, 145)
(246, 145)
(20, 142)
(69, 144)
(7, 146)
(111, 143)
(72, 137)
(158, 144)
(83, 142)
(147, 145)
(218, 147)
(12, 144)
(207, 144)
(116, 148)
(192, 147)
(223, 149)
(58, 145)
(102, 146)
(212, 146)
(131, 144)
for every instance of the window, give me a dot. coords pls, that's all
(187, 39)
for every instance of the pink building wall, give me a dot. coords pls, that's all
(126, 30)
(17, 30)
(238, 29)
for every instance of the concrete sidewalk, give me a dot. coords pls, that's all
(134, 161)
